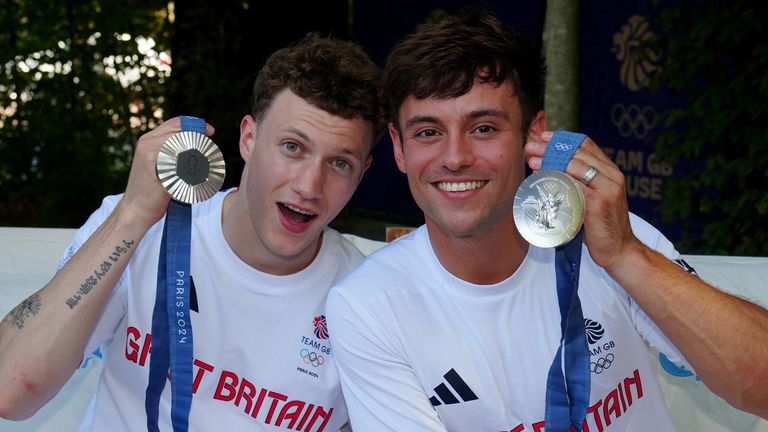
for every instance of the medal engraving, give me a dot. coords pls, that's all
(190, 167)
(548, 208)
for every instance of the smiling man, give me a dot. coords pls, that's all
(454, 326)
(262, 261)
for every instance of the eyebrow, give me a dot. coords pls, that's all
(489, 112)
(473, 114)
(298, 132)
(346, 151)
(420, 119)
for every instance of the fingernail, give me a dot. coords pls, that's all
(547, 134)
(533, 145)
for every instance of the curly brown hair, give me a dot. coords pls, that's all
(332, 74)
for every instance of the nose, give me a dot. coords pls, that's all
(457, 153)
(308, 181)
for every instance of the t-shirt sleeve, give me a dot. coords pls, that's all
(116, 306)
(380, 388)
(648, 329)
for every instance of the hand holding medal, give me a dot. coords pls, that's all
(607, 231)
(190, 166)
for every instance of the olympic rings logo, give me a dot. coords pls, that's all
(311, 357)
(633, 121)
(563, 146)
(601, 364)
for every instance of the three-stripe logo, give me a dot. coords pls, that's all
(444, 394)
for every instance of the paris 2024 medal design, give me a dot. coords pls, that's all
(190, 167)
(549, 208)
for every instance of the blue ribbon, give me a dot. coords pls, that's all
(171, 322)
(567, 397)
(561, 148)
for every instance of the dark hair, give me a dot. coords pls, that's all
(334, 75)
(443, 59)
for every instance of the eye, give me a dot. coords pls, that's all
(342, 164)
(291, 146)
(484, 129)
(426, 133)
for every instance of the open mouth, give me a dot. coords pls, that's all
(295, 215)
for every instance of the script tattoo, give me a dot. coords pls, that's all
(99, 273)
(27, 308)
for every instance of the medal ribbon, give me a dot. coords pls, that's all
(171, 322)
(567, 397)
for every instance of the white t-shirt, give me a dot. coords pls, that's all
(262, 360)
(421, 350)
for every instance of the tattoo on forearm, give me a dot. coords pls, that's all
(29, 307)
(99, 273)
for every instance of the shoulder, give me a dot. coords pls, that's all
(402, 255)
(391, 267)
(94, 221)
(211, 207)
(341, 247)
(108, 204)
(339, 252)
(652, 237)
(364, 245)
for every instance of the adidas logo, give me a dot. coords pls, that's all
(687, 267)
(446, 396)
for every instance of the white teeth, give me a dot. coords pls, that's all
(459, 186)
(298, 210)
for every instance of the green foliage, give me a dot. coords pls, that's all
(715, 60)
(67, 123)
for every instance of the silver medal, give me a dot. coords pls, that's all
(549, 208)
(190, 167)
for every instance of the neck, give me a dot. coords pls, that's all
(244, 242)
(483, 258)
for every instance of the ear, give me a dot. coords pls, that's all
(247, 136)
(366, 165)
(397, 147)
(538, 125)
